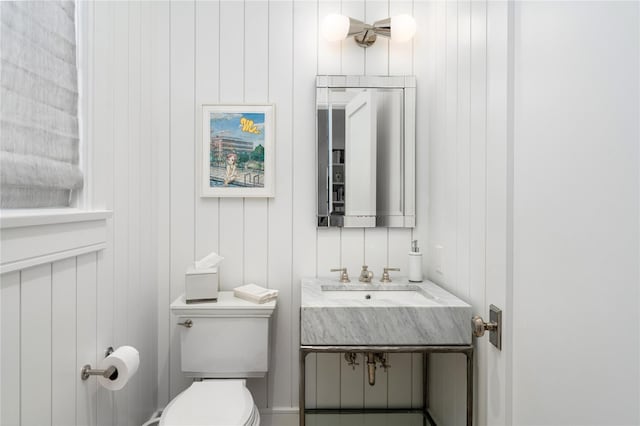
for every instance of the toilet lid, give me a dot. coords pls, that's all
(211, 403)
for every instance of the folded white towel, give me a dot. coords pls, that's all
(255, 293)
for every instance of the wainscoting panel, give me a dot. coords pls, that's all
(10, 348)
(63, 331)
(35, 345)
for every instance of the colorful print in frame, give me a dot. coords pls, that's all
(238, 153)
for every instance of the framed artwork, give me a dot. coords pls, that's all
(237, 151)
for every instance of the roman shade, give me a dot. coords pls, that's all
(39, 136)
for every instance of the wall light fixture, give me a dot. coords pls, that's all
(336, 27)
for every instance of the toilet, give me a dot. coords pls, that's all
(222, 344)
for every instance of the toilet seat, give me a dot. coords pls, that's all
(212, 403)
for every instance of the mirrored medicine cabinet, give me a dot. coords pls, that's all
(365, 140)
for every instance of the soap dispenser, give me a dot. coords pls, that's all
(415, 263)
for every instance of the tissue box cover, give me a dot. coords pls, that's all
(201, 285)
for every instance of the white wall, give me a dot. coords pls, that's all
(544, 97)
(124, 180)
(576, 339)
(58, 316)
(466, 86)
(270, 52)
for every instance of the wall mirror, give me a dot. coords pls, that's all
(365, 139)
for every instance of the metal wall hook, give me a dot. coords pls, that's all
(110, 373)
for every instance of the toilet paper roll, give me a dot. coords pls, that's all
(126, 359)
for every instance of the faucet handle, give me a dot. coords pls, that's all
(386, 278)
(344, 276)
(365, 275)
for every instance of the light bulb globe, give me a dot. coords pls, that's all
(335, 27)
(403, 28)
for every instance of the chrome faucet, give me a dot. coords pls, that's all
(344, 276)
(366, 275)
(385, 274)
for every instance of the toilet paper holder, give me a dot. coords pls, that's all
(87, 371)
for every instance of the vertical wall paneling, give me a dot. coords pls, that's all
(256, 212)
(351, 386)
(10, 388)
(463, 145)
(86, 353)
(399, 381)
(120, 172)
(103, 190)
(417, 385)
(328, 380)
(377, 55)
(399, 245)
(207, 41)
(35, 345)
(310, 391)
(376, 244)
(352, 251)
(256, 91)
(158, 62)
(232, 91)
(328, 252)
(402, 377)
(135, 195)
(423, 66)
(285, 326)
(303, 157)
(65, 314)
(459, 94)
(329, 241)
(450, 141)
(182, 157)
(249, 58)
(477, 185)
(435, 139)
(161, 172)
(63, 342)
(352, 56)
(146, 306)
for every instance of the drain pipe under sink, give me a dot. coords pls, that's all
(371, 366)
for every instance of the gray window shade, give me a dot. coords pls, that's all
(39, 138)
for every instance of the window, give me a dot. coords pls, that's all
(39, 132)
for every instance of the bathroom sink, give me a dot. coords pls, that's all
(398, 313)
(380, 297)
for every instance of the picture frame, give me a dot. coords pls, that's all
(238, 153)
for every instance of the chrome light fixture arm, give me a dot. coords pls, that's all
(338, 27)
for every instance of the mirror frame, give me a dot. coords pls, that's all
(408, 85)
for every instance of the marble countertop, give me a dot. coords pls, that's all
(417, 314)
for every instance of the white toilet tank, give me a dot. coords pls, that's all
(224, 339)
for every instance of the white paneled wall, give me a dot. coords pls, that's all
(49, 316)
(269, 52)
(125, 170)
(56, 317)
(466, 77)
(152, 65)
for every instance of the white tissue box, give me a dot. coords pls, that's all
(201, 285)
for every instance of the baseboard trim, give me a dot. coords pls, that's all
(279, 416)
(280, 410)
